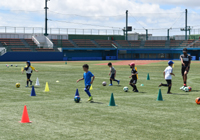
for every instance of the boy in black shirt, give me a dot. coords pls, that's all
(133, 81)
(186, 61)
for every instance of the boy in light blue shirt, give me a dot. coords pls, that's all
(89, 78)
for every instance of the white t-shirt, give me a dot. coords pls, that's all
(168, 72)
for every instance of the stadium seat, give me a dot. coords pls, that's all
(21, 49)
(105, 43)
(44, 50)
(84, 43)
(30, 42)
(11, 42)
(155, 43)
(62, 43)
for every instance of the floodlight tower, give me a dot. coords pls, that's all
(46, 19)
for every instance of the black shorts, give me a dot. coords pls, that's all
(112, 76)
(133, 81)
(87, 87)
(28, 76)
(169, 82)
(184, 69)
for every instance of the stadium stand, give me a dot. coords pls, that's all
(21, 49)
(104, 43)
(44, 50)
(123, 43)
(84, 43)
(185, 43)
(62, 43)
(175, 43)
(155, 43)
(11, 42)
(134, 43)
(196, 44)
(30, 42)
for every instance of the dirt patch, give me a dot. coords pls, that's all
(137, 62)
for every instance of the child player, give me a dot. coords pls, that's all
(87, 76)
(113, 74)
(168, 72)
(29, 69)
(133, 81)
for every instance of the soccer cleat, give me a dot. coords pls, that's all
(90, 98)
(26, 86)
(111, 85)
(136, 91)
(169, 93)
(31, 82)
(160, 85)
(184, 85)
(118, 82)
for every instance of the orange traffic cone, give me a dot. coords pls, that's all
(25, 118)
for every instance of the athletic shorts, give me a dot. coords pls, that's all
(87, 87)
(28, 76)
(169, 82)
(112, 76)
(133, 81)
(184, 69)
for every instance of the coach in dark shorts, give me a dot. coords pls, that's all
(186, 61)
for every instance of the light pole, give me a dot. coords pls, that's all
(46, 19)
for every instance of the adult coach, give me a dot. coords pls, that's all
(186, 61)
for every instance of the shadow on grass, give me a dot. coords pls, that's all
(179, 94)
(95, 102)
(141, 92)
(195, 91)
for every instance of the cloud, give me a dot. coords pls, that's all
(148, 14)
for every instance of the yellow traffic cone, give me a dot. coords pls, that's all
(46, 87)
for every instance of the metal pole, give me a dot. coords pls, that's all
(46, 8)
(186, 24)
(167, 34)
(146, 34)
(126, 24)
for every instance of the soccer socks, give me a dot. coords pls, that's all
(27, 82)
(135, 87)
(115, 80)
(110, 81)
(165, 85)
(169, 88)
(88, 92)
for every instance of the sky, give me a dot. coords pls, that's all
(106, 15)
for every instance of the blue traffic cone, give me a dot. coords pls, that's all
(33, 92)
(77, 93)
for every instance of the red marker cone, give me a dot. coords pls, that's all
(25, 118)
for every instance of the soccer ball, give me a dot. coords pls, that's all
(198, 100)
(104, 83)
(190, 88)
(186, 89)
(17, 85)
(125, 89)
(16, 65)
(77, 99)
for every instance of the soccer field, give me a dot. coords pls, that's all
(137, 116)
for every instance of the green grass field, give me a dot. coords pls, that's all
(138, 116)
